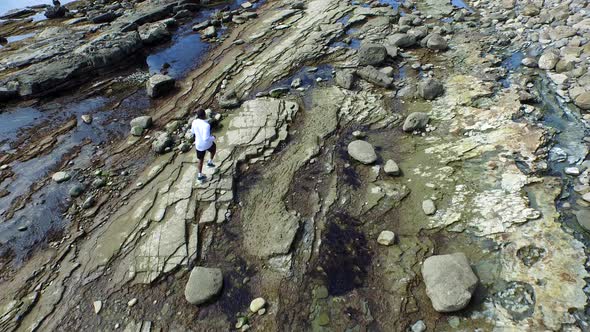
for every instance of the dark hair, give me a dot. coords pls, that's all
(201, 114)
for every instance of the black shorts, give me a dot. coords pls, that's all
(201, 154)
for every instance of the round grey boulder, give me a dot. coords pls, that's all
(415, 121)
(430, 89)
(362, 151)
(436, 42)
(203, 285)
(76, 190)
(371, 54)
(583, 101)
(450, 281)
(162, 142)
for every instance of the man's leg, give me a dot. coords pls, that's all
(201, 158)
(212, 150)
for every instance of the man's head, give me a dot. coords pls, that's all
(201, 114)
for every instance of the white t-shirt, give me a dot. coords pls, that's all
(202, 131)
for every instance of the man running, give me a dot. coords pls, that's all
(204, 141)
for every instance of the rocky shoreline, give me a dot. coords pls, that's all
(382, 166)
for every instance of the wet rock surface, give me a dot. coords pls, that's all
(464, 145)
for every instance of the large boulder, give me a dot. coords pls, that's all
(154, 33)
(158, 85)
(548, 60)
(436, 42)
(372, 75)
(583, 101)
(415, 121)
(203, 285)
(162, 142)
(371, 54)
(144, 122)
(209, 32)
(55, 12)
(362, 151)
(402, 40)
(449, 280)
(430, 88)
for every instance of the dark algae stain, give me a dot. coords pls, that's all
(344, 256)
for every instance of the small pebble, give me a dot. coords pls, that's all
(132, 302)
(257, 304)
(386, 238)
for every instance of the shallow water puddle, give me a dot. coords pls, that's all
(392, 3)
(12, 39)
(461, 4)
(43, 212)
(187, 49)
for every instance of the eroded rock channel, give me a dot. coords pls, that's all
(381, 166)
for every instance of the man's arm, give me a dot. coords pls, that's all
(208, 132)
